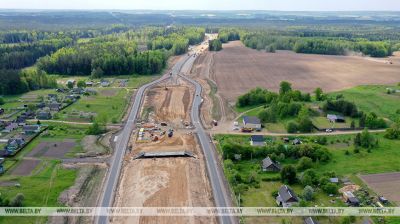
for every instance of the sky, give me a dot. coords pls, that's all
(284, 5)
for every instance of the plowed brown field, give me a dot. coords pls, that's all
(238, 69)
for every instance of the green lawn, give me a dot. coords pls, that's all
(42, 189)
(373, 98)
(107, 107)
(323, 123)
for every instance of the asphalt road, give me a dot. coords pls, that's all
(112, 178)
(215, 173)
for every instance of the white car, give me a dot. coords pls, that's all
(329, 130)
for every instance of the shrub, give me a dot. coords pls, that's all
(330, 188)
(291, 127)
(308, 193)
(2, 102)
(304, 163)
(17, 201)
(288, 174)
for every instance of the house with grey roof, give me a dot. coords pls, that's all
(335, 118)
(257, 140)
(286, 197)
(252, 122)
(268, 165)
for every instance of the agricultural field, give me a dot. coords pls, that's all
(236, 69)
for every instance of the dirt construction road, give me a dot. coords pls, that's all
(166, 182)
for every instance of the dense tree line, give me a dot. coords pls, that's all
(25, 54)
(103, 57)
(225, 35)
(214, 45)
(313, 151)
(175, 40)
(16, 81)
(317, 45)
(341, 106)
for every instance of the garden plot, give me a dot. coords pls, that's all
(26, 167)
(385, 184)
(56, 150)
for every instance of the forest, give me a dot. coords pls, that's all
(114, 50)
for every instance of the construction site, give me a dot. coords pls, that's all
(165, 166)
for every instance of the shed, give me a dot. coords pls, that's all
(336, 118)
(334, 180)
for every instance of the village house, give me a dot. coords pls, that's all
(257, 140)
(54, 106)
(43, 115)
(52, 97)
(350, 199)
(252, 122)
(14, 144)
(333, 118)
(104, 83)
(31, 129)
(41, 105)
(70, 98)
(28, 114)
(78, 91)
(270, 166)
(89, 83)
(10, 127)
(286, 197)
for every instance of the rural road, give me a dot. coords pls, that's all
(266, 133)
(112, 178)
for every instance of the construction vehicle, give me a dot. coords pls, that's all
(170, 133)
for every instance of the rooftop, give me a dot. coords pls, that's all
(251, 120)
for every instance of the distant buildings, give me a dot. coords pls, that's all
(31, 129)
(43, 115)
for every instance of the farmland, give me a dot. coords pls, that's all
(236, 69)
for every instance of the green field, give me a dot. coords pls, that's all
(373, 98)
(108, 104)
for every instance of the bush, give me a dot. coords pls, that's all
(2, 102)
(17, 201)
(330, 188)
(304, 163)
(291, 127)
(308, 193)
(288, 174)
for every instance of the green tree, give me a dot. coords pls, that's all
(288, 174)
(308, 193)
(291, 127)
(81, 84)
(319, 94)
(17, 201)
(70, 85)
(393, 132)
(304, 163)
(285, 87)
(95, 129)
(2, 102)
(330, 188)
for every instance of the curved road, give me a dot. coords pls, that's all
(215, 173)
